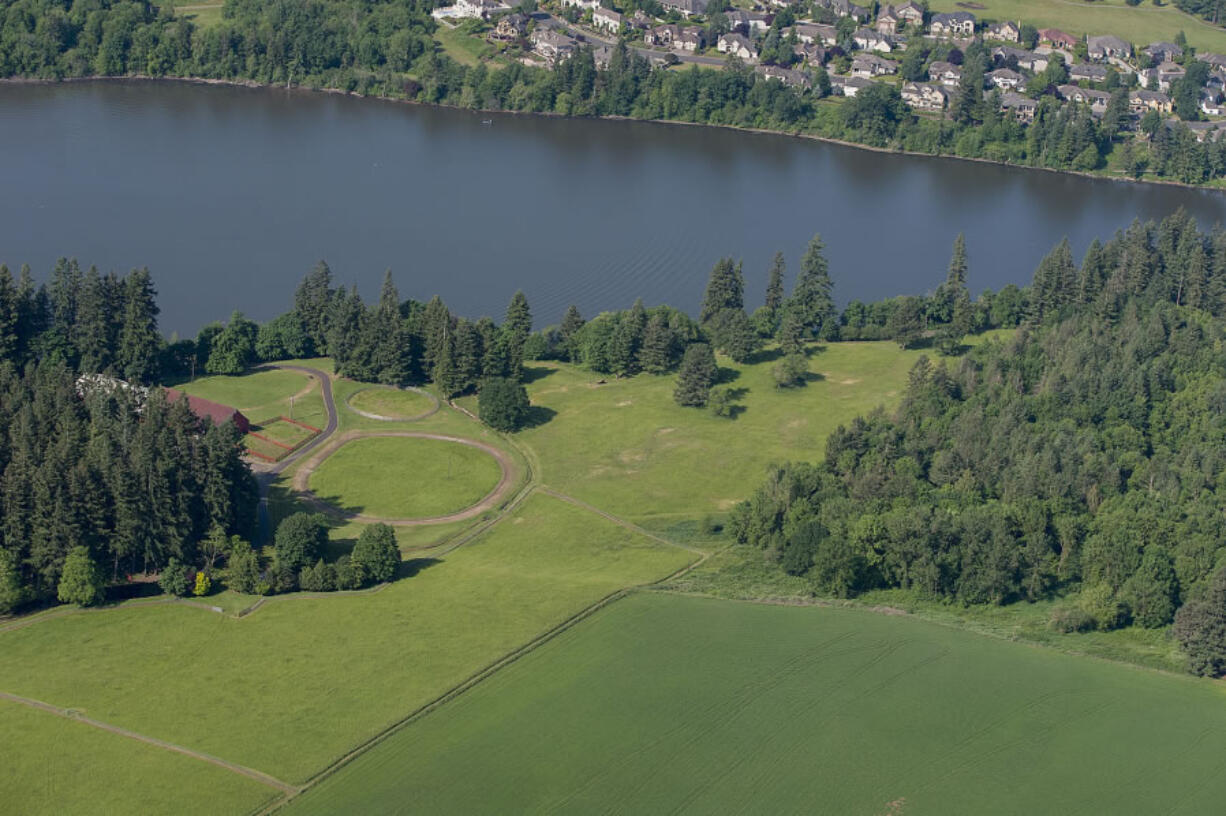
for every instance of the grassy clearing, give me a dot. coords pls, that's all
(391, 403)
(669, 704)
(1141, 24)
(53, 766)
(265, 395)
(299, 682)
(463, 48)
(405, 477)
(628, 448)
(204, 15)
(287, 433)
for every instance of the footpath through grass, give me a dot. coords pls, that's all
(663, 703)
(55, 766)
(301, 681)
(1141, 24)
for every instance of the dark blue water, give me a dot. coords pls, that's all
(230, 195)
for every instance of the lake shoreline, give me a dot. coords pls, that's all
(255, 85)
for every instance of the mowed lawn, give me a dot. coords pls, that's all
(264, 395)
(55, 766)
(627, 447)
(1141, 24)
(405, 477)
(392, 403)
(670, 704)
(301, 681)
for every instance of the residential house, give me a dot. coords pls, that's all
(868, 66)
(691, 39)
(214, 412)
(602, 55)
(608, 20)
(1007, 31)
(1096, 100)
(815, 33)
(848, 86)
(738, 45)
(591, 5)
(1006, 79)
(470, 9)
(1216, 60)
(1207, 131)
(1169, 72)
(1142, 101)
(1057, 38)
(788, 76)
(662, 36)
(1211, 105)
(925, 96)
(868, 40)
(510, 27)
(1083, 71)
(911, 13)
(946, 73)
(749, 22)
(957, 24)
(810, 53)
(887, 21)
(687, 8)
(1162, 51)
(844, 8)
(551, 45)
(1023, 107)
(1108, 46)
(1020, 57)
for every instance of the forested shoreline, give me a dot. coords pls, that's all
(387, 50)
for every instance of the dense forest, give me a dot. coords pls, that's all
(1084, 453)
(387, 49)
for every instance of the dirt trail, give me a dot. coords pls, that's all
(70, 714)
(506, 481)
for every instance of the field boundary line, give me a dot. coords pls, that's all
(55, 614)
(71, 714)
(619, 521)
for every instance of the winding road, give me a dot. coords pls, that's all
(266, 475)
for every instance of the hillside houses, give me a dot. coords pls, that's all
(552, 46)
(844, 8)
(1028, 60)
(750, 23)
(866, 39)
(1084, 72)
(1057, 38)
(1096, 100)
(470, 9)
(1006, 79)
(788, 76)
(925, 96)
(955, 24)
(1142, 101)
(945, 73)
(737, 45)
(1162, 52)
(869, 66)
(686, 8)
(848, 86)
(608, 20)
(816, 33)
(1007, 31)
(1022, 107)
(1108, 46)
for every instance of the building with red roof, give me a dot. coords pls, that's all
(212, 411)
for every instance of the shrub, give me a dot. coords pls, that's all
(204, 584)
(174, 579)
(243, 570)
(377, 553)
(300, 540)
(1071, 619)
(319, 578)
(790, 371)
(503, 404)
(348, 574)
(1100, 603)
(12, 593)
(81, 581)
(720, 402)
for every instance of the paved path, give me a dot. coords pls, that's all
(266, 475)
(506, 481)
(70, 714)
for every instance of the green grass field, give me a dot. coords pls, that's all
(627, 447)
(299, 682)
(287, 433)
(1141, 24)
(395, 477)
(55, 766)
(391, 403)
(264, 395)
(667, 704)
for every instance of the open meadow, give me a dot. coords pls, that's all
(1140, 24)
(667, 704)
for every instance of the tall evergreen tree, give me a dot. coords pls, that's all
(1055, 282)
(139, 342)
(774, 285)
(10, 316)
(812, 298)
(572, 322)
(515, 331)
(91, 332)
(391, 344)
(697, 375)
(725, 290)
(659, 349)
(435, 325)
(313, 305)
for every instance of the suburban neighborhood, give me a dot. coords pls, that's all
(838, 48)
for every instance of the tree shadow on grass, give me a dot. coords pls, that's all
(812, 377)
(765, 356)
(537, 416)
(411, 567)
(725, 375)
(534, 373)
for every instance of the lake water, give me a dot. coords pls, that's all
(230, 195)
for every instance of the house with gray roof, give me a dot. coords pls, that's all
(1108, 46)
(957, 24)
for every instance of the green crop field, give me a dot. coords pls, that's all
(1141, 24)
(287, 433)
(627, 447)
(394, 477)
(391, 403)
(55, 766)
(299, 682)
(668, 704)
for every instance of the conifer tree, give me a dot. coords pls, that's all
(813, 296)
(515, 331)
(92, 329)
(391, 344)
(9, 316)
(658, 352)
(774, 285)
(725, 290)
(313, 305)
(572, 322)
(697, 375)
(792, 333)
(467, 360)
(139, 341)
(435, 322)
(1093, 275)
